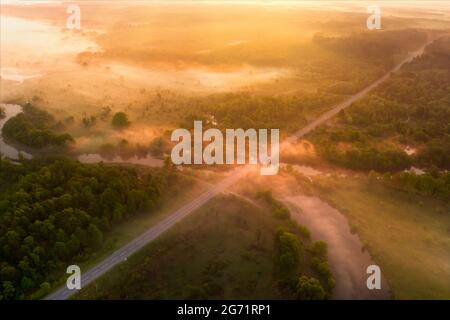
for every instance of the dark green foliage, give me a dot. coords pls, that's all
(288, 252)
(364, 157)
(378, 47)
(246, 110)
(319, 249)
(320, 264)
(89, 121)
(157, 147)
(304, 231)
(120, 120)
(432, 184)
(278, 209)
(412, 108)
(59, 211)
(310, 289)
(33, 128)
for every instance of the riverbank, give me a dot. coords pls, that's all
(8, 150)
(15, 151)
(405, 233)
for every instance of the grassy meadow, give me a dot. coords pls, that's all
(407, 234)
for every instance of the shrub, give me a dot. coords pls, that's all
(310, 289)
(120, 120)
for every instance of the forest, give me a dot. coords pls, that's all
(288, 250)
(274, 258)
(434, 183)
(363, 58)
(246, 110)
(380, 47)
(410, 109)
(35, 128)
(57, 211)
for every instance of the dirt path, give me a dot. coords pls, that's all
(348, 261)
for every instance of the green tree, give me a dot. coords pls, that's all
(9, 292)
(45, 287)
(310, 289)
(319, 249)
(288, 252)
(27, 283)
(120, 120)
(95, 236)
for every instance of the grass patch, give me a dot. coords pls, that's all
(407, 235)
(225, 250)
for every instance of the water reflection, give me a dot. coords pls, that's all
(11, 110)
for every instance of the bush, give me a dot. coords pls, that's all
(288, 251)
(278, 209)
(310, 289)
(32, 128)
(319, 249)
(304, 231)
(157, 147)
(120, 120)
(281, 213)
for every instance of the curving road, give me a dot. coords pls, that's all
(154, 232)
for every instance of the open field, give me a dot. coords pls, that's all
(407, 235)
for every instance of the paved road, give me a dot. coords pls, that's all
(154, 232)
(348, 102)
(148, 236)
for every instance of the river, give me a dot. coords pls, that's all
(7, 150)
(12, 152)
(346, 254)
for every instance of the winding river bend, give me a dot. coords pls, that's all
(11, 110)
(13, 152)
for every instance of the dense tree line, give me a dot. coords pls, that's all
(288, 253)
(436, 184)
(319, 263)
(412, 108)
(56, 212)
(365, 157)
(246, 110)
(34, 128)
(376, 47)
(363, 58)
(120, 120)
(290, 250)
